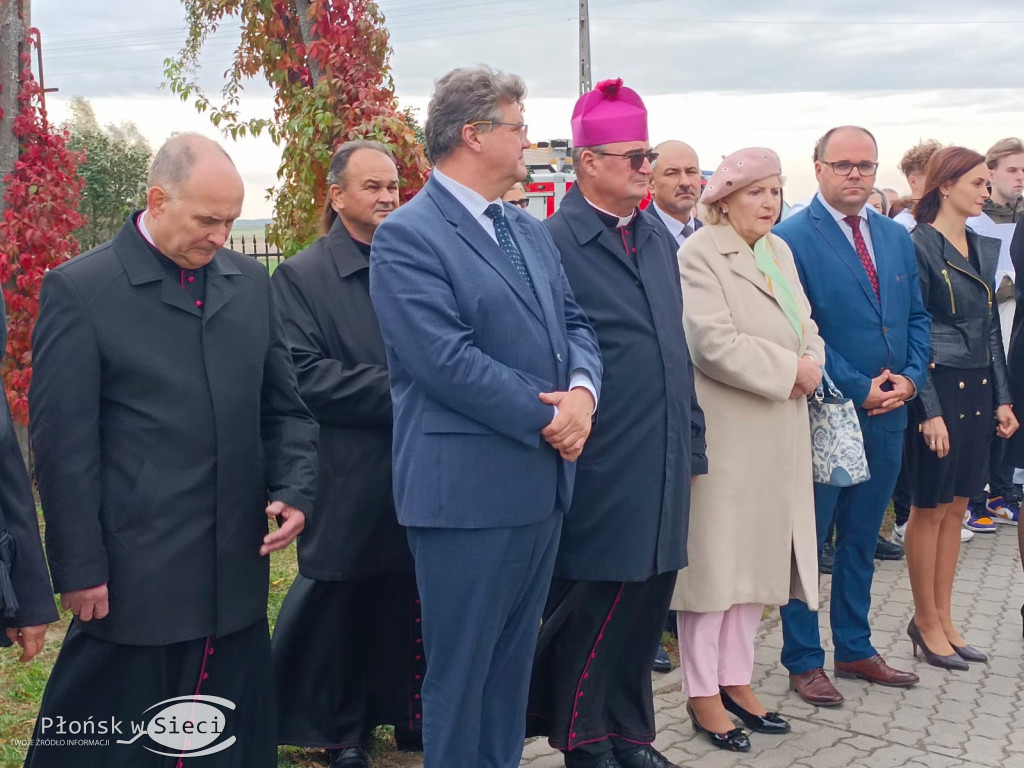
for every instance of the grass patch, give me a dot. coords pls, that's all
(22, 685)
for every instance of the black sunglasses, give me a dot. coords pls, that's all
(636, 159)
(523, 202)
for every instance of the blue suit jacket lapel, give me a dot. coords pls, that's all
(883, 263)
(477, 238)
(829, 229)
(541, 280)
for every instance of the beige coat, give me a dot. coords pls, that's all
(752, 531)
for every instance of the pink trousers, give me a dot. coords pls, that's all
(717, 648)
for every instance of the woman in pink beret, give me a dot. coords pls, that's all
(757, 356)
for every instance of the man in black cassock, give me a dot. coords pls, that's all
(167, 427)
(624, 538)
(348, 652)
(26, 597)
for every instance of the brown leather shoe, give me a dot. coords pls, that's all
(815, 688)
(875, 670)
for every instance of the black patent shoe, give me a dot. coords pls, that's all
(350, 757)
(771, 722)
(969, 653)
(735, 740)
(643, 757)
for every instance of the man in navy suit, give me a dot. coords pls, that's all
(675, 189)
(859, 272)
(495, 376)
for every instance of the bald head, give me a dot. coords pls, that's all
(675, 181)
(195, 194)
(176, 159)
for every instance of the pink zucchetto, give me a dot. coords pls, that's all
(608, 114)
(739, 169)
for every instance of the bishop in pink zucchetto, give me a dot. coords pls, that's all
(624, 535)
(608, 114)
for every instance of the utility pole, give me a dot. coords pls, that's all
(584, 47)
(13, 27)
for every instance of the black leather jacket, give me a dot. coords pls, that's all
(961, 302)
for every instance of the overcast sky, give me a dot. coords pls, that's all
(720, 75)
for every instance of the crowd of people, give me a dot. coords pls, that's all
(507, 449)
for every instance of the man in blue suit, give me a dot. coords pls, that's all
(859, 271)
(495, 375)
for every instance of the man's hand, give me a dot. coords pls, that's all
(290, 522)
(29, 638)
(808, 376)
(87, 604)
(1007, 421)
(902, 389)
(568, 431)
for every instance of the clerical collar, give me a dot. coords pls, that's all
(364, 248)
(612, 219)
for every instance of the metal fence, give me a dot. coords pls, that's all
(251, 247)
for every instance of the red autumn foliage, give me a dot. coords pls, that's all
(40, 214)
(327, 63)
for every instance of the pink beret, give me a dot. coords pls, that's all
(739, 169)
(608, 114)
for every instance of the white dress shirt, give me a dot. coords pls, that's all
(865, 230)
(906, 218)
(675, 226)
(471, 200)
(476, 204)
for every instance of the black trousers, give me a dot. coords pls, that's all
(591, 689)
(348, 656)
(97, 680)
(1000, 476)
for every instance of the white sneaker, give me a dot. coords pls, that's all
(898, 532)
(965, 535)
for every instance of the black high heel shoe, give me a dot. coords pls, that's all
(952, 661)
(771, 722)
(735, 740)
(969, 653)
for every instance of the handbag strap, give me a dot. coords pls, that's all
(826, 381)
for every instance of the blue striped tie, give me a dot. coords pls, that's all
(495, 213)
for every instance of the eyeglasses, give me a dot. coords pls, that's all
(521, 128)
(636, 159)
(523, 202)
(844, 167)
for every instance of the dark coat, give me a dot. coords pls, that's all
(961, 302)
(1015, 359)
(323, 295)
(630, 509)
(29, 577)
(160, 432)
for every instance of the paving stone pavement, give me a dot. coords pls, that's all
(949, 719)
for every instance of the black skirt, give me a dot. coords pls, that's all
(967, 407)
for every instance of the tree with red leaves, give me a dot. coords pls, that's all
(40, 213)
(327, 63)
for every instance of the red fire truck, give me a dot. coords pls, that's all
(551, 176)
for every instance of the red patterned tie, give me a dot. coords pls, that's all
(862, 252)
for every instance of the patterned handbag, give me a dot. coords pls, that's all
(837, 445)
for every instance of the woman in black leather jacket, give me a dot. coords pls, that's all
(951, 420)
